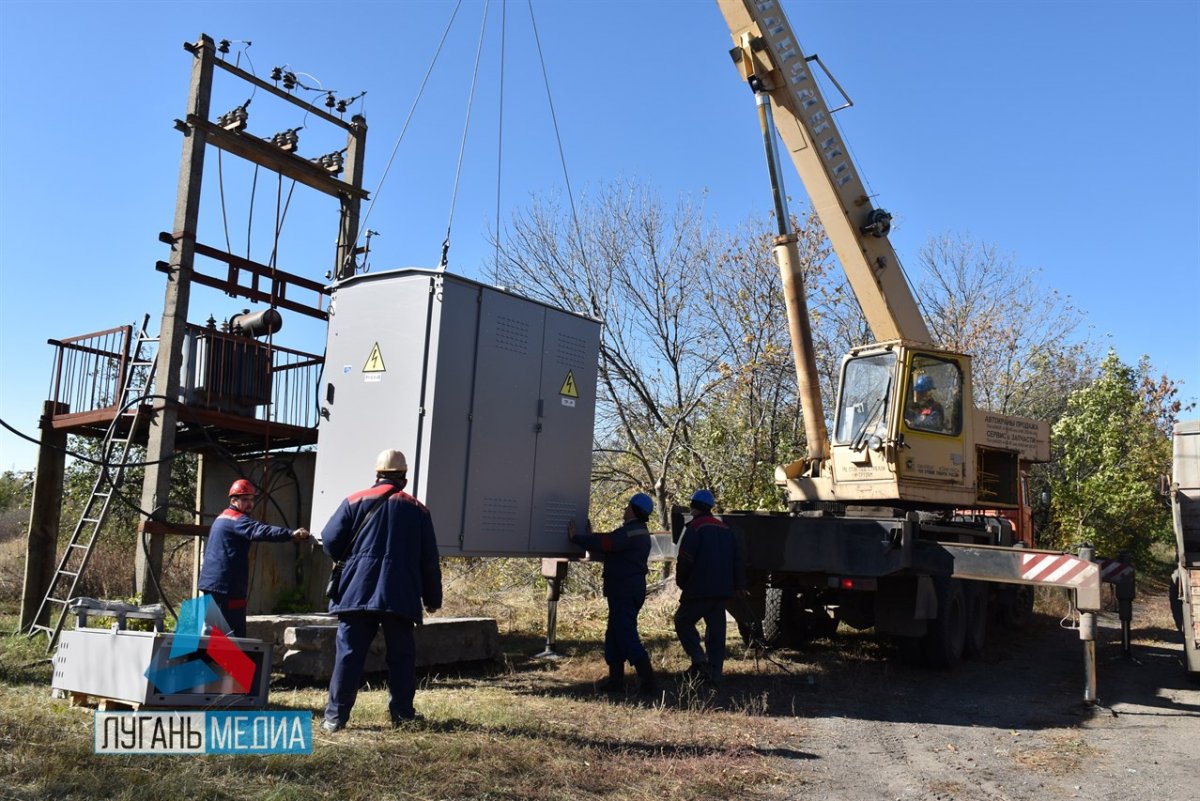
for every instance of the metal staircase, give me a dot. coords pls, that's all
(131, 414)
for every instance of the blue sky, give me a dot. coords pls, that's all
(1064, 133)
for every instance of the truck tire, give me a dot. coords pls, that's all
(773, 623)
(1177, 602)
(977, 594)
(793, 620)
(947, 634)
(1014, 609)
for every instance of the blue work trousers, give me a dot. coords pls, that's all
(710, 658)
(234, 612)
(355, 633)
(621, 642)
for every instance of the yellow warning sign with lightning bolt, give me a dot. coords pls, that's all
(569, 389)
(374, 361)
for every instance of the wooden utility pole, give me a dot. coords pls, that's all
(160, 447)
(45, 512)
(356, 141)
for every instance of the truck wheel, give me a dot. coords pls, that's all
(1177, 602)
(976, 594)
(773, 622)
(947, 634)
(1015, 607)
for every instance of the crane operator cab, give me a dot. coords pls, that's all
(904, 433)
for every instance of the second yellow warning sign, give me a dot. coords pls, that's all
(568, 386)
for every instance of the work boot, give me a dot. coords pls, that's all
(645, 671)
(616, 679)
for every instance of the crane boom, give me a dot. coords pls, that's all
(769, 56)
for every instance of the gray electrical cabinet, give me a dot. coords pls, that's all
(491, 396)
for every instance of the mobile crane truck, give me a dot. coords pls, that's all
(871, 537)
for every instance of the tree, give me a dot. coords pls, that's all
(751, 420)
(16, 490)
(641, 270)
(1026, 357)
(1110, 448)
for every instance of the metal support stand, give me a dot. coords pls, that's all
(1126, 591)
(554, 571)
(1087, 633)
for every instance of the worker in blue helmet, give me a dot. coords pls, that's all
(625, 553)
(923, 410)
(709, 569)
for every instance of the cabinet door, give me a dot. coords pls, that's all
(564, 448)
(504, 421)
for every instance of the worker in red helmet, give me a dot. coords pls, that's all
(225, 574)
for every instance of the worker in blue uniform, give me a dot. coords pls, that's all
(624, 552)
(225, 574)
(709, 569)
(384, 539)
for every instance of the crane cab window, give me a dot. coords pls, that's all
(933, 398)
(863, 402)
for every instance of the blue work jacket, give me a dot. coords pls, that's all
(226, 567)
(624, 553)
(392, 565)
(710, 562)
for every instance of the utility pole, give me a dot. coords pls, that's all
(160, 447)
(356, 140)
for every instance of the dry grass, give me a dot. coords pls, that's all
(534, 731)
(1058, 754)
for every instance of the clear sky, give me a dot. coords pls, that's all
(1064, 133)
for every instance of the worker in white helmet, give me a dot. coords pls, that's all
(385, 571)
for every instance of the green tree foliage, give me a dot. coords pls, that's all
(1110, 448)
(16, 490)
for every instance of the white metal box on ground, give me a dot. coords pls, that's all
(491, 396)
(112, 664)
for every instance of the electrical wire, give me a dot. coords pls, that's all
(221, 191)
(250, 221)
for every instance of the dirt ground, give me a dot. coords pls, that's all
(1010, 725)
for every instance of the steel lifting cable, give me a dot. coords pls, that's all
(557, 137)
(500, 126)
(462, 146)
(362, 226)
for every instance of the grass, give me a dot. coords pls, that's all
(531, 731)
(527, 730)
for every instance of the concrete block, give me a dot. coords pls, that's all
(304, 644)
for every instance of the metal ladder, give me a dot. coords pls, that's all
(136, 382)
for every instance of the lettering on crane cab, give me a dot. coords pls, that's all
(568, 390)
(374, 365)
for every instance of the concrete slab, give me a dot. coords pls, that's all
(304, 644)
